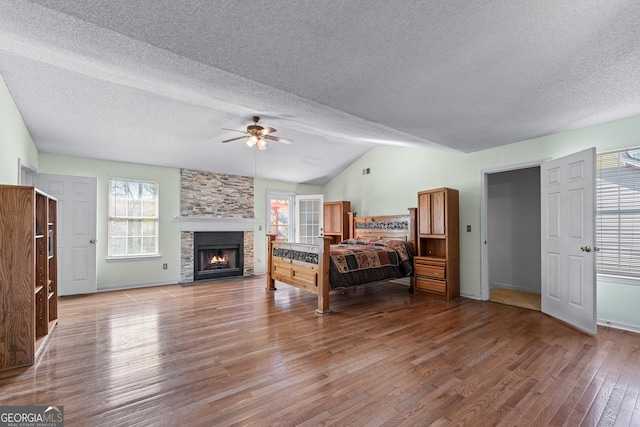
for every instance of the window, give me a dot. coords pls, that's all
(279, 207)
(133, 218)
(618, 213)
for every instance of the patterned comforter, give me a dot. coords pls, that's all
(356, 261)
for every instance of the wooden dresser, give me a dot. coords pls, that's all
(437, 262)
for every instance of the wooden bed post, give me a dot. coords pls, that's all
(352, 225)
(323, 277)
(412, 239)
(271, 284)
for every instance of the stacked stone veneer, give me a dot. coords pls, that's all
(214, 195)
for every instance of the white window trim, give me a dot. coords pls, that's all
(133, 257)
(626, 280)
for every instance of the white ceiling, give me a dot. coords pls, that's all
(155, 81)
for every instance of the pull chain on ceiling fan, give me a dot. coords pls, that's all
(258, 135)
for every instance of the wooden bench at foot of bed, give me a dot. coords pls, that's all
(300, 265)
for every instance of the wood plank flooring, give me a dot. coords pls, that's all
(516, 298)
(230, 353)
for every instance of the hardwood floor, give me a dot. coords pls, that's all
(232, 354)
(516, 298)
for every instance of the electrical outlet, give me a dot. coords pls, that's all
(164, 266)
(468, 229)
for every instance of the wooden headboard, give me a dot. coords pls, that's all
(397, 227)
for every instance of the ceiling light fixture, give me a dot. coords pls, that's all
(258, 135)
(253, 140)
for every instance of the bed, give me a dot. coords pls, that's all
(378, 248)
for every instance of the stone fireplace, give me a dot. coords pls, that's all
(214, 208)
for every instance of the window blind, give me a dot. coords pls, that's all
(618, 213)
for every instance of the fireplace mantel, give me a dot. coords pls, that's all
(204, 223)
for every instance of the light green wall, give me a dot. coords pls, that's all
(397, 174)
(260, 202)
(15, 140)
(122, 274)
(618, 304)
(118, 274)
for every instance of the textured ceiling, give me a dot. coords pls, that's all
(155, 81)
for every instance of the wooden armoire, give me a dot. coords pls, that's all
(437, 262)
(336, 220)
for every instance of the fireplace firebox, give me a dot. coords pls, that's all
(218, 254)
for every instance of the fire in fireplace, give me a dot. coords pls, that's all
(218, 254)
(217, 259)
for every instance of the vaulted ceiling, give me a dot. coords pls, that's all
(156, 81)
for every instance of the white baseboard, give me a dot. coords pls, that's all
(135, 285)
(472, 296)
(619, 325)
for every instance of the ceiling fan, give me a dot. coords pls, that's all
(258, 135)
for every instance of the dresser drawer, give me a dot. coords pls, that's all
(430, 268)
(431, 285)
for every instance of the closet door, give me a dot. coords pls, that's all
(568, 238)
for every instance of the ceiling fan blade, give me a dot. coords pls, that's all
(234, 130)
(266, 131)
(235, 139)
(275, 138)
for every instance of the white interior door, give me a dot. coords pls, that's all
(309, 224)
(568, 237)
(77, 204)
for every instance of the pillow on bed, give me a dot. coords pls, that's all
(377, 242)
(358, 242)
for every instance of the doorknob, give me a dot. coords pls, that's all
(586, 248)
(92, 241)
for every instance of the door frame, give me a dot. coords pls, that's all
(26, 173)
(484, 196)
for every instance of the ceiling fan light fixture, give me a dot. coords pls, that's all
(252, 141)
(257, 135)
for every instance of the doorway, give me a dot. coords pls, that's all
(512, 223)
(566, 236)
(295, 218)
